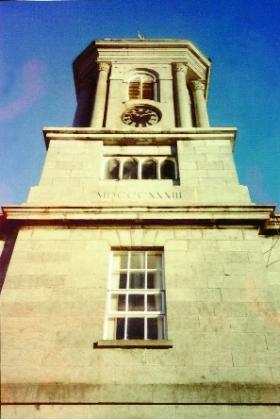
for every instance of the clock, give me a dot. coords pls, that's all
(141, 116)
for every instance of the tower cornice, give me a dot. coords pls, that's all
(218, 216)
(137, 137)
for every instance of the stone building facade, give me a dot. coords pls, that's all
(139, 280)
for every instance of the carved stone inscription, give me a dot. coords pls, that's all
(138, 196)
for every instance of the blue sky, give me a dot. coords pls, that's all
(40, 39)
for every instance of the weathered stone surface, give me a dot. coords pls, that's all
(228, 342)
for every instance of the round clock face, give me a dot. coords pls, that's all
(141, 116)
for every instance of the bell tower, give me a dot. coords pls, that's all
(142, 115)
(142, 84)
(139, 278)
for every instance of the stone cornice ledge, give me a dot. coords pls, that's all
(142, 215)
(135, 137)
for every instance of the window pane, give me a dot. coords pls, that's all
(118, 302)
(130, 169)
(120, 329)
(135, 328)
(152, 328)
(154, 302)
(123, 280)
(120, 261)
(154, 261)
(167, 170)
(123, 260)
(137, 280)
(137, 260)
(155, 328)
(119, 281)
(112, 170)
(154, 280)
(136, 302)
(149, 170)
(121, 302)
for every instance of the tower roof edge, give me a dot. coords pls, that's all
(140, 43)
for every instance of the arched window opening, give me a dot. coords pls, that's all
(149, 169)
(142, 87)
(167, 169)
(112, 169)
(130, 169)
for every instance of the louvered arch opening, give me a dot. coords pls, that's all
(142, 86)
(148, 90)
(135, 90)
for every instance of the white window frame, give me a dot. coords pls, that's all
(112, 314)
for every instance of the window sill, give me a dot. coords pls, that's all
(134, 343)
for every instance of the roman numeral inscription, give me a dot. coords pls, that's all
(137, 196)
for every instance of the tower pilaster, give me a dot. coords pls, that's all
(201, 114)
(98, 110)
(183, 97)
